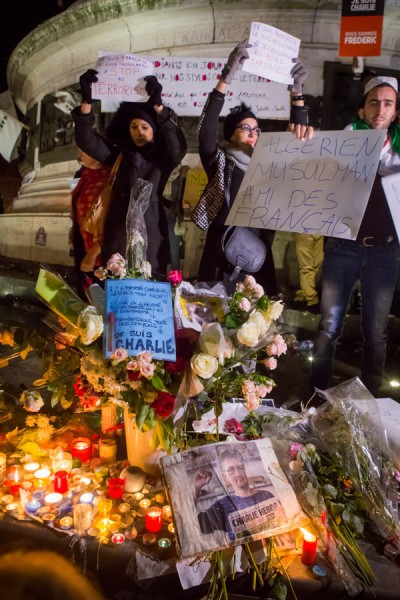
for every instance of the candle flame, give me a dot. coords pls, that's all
(309, 537)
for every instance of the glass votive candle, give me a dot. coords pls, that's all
(49, 519)
(138, 496)
(131, 533)
(153, 519)
(149, 539)
(108, 449)
(62, 461)
(116, 487)
(118, 538)
(104, 506)
(41, 478)
(124, 507)
(144, 503)
(82, 517)
(66, 522)
(166, 512)
(164, 543)
(80, 449)
(31, 467)
(33, 505)
(61, 482)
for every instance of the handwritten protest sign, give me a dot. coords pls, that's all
(271, 53)
(391, 187)
(196, 181)
(318, 186)
(139, 317)
(188, 81)
(120, 79)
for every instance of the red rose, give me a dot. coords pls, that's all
(163, 405)
(233, 426)
(175, 277)
(134, 375)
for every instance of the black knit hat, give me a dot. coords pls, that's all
(237, 114)
(127, 111)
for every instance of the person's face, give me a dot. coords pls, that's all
(245, 137)
(87, 161)
(380, 107)
(141, 132)
(235, 474)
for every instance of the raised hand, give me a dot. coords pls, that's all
(85, 82)
(299, 74)
(154, 89)
(235, 61)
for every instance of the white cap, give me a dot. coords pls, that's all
(381, 80)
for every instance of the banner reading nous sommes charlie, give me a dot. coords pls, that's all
(318, 186)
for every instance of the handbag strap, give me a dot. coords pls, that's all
(114, 170)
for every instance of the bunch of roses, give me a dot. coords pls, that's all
(253, 393)
(277, 347)
(117, 268)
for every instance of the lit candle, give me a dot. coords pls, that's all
(138, 496)
(309, 550)
(149, 539)
(116, 487)
(87, 498)
(159, 498)
(12, 506)
(42, 478)
(164, 543)
(153, 520)
(66, 522)
(51, 500)
(49, 519)
(15, 487)
(62, 461)
(166, 512)
(31, 467)
(124, 507)
(171, 528)
(145, 503)
(33, 505)
(7, 499)
(80, 449)
(108, 449)
(104, 506)
(118, 538)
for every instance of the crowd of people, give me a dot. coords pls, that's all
(146, 141)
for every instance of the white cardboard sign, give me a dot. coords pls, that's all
(271, 53)
(391, 187)
(318, 186)
(186, 84)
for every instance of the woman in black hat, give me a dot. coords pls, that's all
(152, 145)
(226, 164)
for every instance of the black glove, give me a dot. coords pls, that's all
(235, 61)
(85, 82)
(299, 74)
(154, 89)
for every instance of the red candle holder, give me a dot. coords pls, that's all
(15, 486)
(80, 448)
(61, 482)
(116, 487)
(309, 550)
(153, 519)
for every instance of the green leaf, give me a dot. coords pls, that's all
(142, 414)
(230, 322)
(157, 383)
(329, 491)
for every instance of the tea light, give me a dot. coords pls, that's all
(43, 510)
(51, 500)
(66, 522)
(49, 518)
(93, 532)
(31, 467)
(171, 528)
(309, 550)
(115, 519)
(149, 539)
(159, 498)
(62, 461)
(118, 538)
(108, 449)
(131, 533)
(145, 503)
(12, 506)
(166, 512)
(164, 543)
(153, 519)
(124, 507)
(138, 496)
(7, 499)
(42, 478)
(80, 449)
(87, 497)
(33, 505)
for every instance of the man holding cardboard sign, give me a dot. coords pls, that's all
(372, 258)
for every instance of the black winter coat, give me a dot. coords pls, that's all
(154, 162)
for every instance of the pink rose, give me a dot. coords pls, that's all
(233, 426)
(263, 390)
(147, 370)
(175, 277)
(248, 387)
(252, 401)
(144, 357)
(294, 449)
(281, 345)
(120, 354)
(132, 365)
(271, 363)
(101, 273)
(244, 305)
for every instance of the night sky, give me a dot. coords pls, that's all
(21, 18)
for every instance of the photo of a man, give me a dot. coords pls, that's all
(241, 511)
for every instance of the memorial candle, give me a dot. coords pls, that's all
(61, 482)
(153, 519)
(80, 449)
(309, 550)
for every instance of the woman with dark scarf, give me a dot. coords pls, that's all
(152, 145)
(226, 164)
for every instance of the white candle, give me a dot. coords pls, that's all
(53, 499)
(31, 467)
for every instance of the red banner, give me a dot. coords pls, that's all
(361, 27)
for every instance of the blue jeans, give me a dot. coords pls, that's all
(346, 262)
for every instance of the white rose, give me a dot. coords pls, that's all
(229, 349)
(262, 322)
(248, 334)
(212, 340)
(204, 365)
(90, 325)
(275, 309)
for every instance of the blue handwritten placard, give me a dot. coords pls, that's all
(139, 317)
